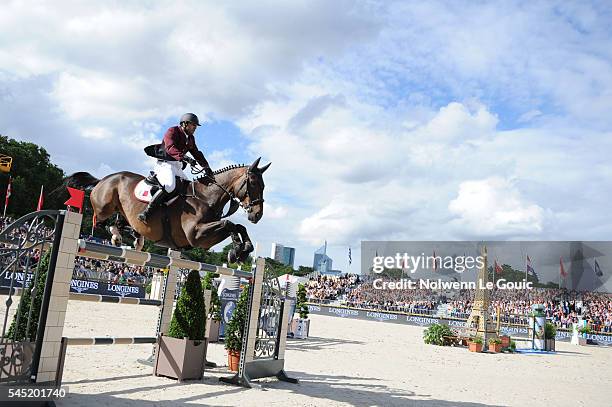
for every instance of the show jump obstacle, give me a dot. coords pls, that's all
(264, 338)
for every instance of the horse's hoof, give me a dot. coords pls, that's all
(248, 247)
(231, 256)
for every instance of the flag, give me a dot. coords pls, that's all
(8, 194)
(498, 268)
(76, 198)
(598, 271)
(529, 267)
(561, 268)
(349, 254)
(435, 262)
(40, 199)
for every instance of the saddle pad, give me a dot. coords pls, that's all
(142, 191)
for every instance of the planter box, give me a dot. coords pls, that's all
(212, 330)
(474, 347)
(505, 341)
(496, 347)
(233, 360)
(302, 328)
(180, 359)
(550, 345)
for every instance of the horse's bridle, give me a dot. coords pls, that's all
(235, 201)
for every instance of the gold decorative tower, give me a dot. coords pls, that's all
(480, 323)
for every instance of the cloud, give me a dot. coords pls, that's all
(494, 207)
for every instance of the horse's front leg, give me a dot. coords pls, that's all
(206, 235)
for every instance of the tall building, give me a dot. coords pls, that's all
(283, 254)
(322, 262)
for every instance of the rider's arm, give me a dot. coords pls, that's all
(171, 140)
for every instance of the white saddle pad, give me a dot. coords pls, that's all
(142, 191)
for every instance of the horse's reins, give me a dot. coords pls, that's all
(235, 202)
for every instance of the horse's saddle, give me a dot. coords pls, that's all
(146, 188)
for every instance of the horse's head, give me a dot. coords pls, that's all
(251, 191)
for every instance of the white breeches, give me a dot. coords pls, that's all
(167, 171)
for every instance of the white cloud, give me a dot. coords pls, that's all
(494, 207)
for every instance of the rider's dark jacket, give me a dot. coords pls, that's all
(175, 145)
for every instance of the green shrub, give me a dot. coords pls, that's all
(550, 331)
(434, 335)
(513, 346)
(585, 330)
(189, 318)
(495, 341)
(215, 303)
(19, 332)
(235, 328)
(476, 339)
(301, 306)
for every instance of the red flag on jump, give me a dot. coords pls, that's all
(40, 199)
(76, 198)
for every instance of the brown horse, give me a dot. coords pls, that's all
(193, 219)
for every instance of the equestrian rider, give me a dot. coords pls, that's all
(171, 160)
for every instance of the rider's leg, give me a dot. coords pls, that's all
(165, 175)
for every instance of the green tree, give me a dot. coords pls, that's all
(21, 332)
(235, 328)
(31, 168)
(303, 270)
(215, 303)
(301, 300)
(189, 318)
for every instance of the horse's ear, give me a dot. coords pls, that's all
(253, 166)
(264, 168)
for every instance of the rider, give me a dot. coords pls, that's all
(171, 159)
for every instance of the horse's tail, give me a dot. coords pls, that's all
(79, 180)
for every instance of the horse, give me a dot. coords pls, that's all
(193, 219)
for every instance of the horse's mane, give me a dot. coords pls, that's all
(224, 169)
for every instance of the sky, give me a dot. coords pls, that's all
(383, 120)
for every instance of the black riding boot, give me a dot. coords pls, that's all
(156, 201)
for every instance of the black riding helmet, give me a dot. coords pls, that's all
(191, 118)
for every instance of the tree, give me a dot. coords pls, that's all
(189, 318)
(215, 304)
(21, 332)
(301, 300)
(31, 168)
(235, 328)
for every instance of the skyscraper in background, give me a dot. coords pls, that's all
(283, 254)
(322, 262)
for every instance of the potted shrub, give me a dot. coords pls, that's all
(495, 345)
(475, 344)
(437, 334)
(583, 331)
(505, 341)
(303, 323)
(181, 353)
(213, 322)
(235, 330)
(550, 331)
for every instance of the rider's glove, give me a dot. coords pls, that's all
(189, 160)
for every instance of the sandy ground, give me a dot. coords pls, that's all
(344, 363)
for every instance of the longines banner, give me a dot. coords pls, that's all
(406, 319)
(86, 287)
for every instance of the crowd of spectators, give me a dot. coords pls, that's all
(329, 288)
(562, 307)
(108, 271)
